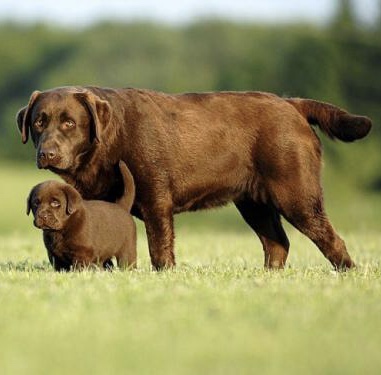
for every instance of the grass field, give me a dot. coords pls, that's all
(218, 312)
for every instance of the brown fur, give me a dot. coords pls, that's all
(194, 151)
(79, 233)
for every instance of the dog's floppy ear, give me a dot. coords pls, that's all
(29, 203)
(29, 200)
(23, 117)
(73, 199)
(99, 110)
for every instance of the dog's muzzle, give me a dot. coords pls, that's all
(47, 157)
(44, 220)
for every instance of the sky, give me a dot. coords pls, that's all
(81, 13)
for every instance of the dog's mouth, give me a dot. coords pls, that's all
(56, 166)
(62, 165)
(55, 169)
(46, 224)
(47, 164)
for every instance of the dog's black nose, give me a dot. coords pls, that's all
(48, 154)
(47, 157)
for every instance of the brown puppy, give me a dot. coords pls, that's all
(194, 151)
(79, 233)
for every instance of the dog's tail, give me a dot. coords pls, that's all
(128, 197)
(333, 121)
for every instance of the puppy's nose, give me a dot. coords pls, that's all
(43, 215)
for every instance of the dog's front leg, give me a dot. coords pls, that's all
(160, 233)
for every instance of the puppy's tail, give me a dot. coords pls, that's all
(332, 120)
(128, 197)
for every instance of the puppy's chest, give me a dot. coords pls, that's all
(55, 243)
(60, 247)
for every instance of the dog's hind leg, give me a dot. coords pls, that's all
(311, 219)
(265, 221)
(300, 201)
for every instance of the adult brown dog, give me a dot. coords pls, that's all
(193, 151)
(79, 233)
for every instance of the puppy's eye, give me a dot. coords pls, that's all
(55, 204)
(38, 124)
(69, 124)
(35, 204)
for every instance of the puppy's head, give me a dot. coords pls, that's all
(53, 203)
(65, 124)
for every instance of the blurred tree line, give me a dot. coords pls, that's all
(339, 62)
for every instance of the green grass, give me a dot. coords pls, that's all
(218, 312)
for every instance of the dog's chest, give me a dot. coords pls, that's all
(66, 251)
(97, 184)
(56, 246)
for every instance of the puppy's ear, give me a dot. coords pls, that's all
(73, 199)
(23, 117)
(29, 203)
(99, 111)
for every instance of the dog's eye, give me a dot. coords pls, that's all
(55, 204)
(38, 124)
(69, 124)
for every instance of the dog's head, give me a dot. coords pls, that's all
(65, 124)
(53, 203)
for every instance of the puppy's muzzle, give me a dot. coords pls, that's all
(44, 220)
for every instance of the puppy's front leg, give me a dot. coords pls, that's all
(160, 233)
(59, 265)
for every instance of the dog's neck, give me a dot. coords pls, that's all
(97, 178)
(100, 183)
